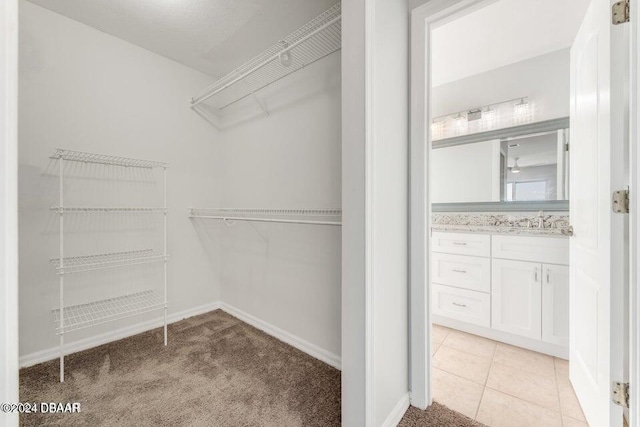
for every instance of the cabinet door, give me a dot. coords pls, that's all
(555, 304)
(516, 297)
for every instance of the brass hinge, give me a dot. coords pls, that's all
(620, 12)
(620, 201)
(620, 394)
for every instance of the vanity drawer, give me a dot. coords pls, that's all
(461, 304)
(462, 271)
(550, 250)
(461, 243)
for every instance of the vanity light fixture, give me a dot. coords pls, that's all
(522, 111)
(488, 117)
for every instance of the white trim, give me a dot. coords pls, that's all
(284, 336)
(633, 416)
(369, 209)
(398, 411)
(423, 18)
(8, 207)
(118, 334)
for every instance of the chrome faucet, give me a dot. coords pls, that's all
(540, 219)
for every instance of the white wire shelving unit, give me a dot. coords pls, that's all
(74, 317)
(315, 40)
(332, 217)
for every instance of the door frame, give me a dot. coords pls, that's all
(423, 19)
(9, 207)
(634, 219)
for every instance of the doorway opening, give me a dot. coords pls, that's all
(496, 113)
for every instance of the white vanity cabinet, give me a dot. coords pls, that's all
(511, 288)
(516, 297)
(555, 301)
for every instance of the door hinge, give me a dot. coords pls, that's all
(620, 394)
(620, 12)
(620, 201)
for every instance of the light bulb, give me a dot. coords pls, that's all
(437, 130)
(460, 125)
(489, 118)
(522, 111)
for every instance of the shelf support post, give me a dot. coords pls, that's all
(61, 219)
(164, 184)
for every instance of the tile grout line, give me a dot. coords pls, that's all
(555, 377)
(484, 388)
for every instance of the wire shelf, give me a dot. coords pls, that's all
(320, 37)
(108, 260)
(287, 216)
(104, 159)
(106, 209)
(98, 312)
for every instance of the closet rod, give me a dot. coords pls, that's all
(285, 221)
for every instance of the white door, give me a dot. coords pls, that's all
(555, 304)
(516, 297)
(596, 276)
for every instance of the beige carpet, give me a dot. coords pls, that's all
(216, 371)
(436, 415)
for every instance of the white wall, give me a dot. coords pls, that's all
(287, 275)
(466, 173)
(85, 90)
(390, 179)
(375, 174)
(355, 368)
(8, 208)
(544, 79)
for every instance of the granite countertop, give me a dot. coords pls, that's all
(499, 229)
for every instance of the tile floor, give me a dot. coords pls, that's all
(502, 385)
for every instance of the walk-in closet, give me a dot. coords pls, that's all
(180, 212)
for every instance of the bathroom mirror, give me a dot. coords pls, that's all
(519, 168)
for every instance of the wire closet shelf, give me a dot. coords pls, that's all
(317, 39)
(103, 311)
(105, 209)
(69, 318)
(104, 159)
(107, 260)
(286, 216)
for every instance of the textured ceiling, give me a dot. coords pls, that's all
(212, 36)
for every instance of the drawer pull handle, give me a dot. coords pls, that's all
(548, 278)
(459, 305)
(535, 276)
(459, 271)
(460, 243)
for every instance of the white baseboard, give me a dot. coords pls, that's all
(284, 336)
(397, 412)
(75, 346)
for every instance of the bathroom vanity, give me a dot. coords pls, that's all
(509, 285)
